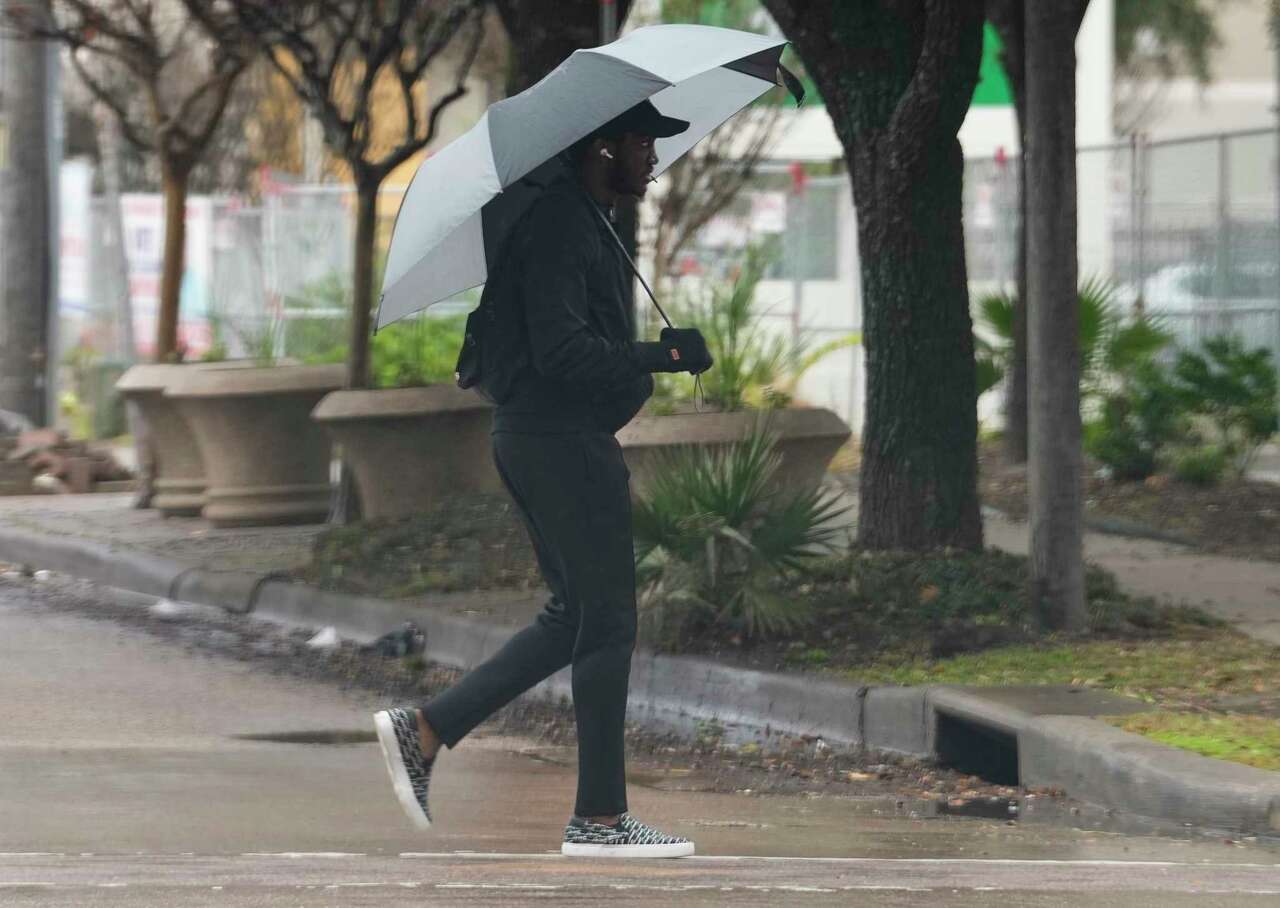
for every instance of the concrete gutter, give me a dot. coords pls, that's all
(1056, 741)
(1063, 746)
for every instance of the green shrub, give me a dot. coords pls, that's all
(1136, 423)
(217, 351)
(714, 536)
(418, 351)
(1110, 346)
(1201, 466)
(1235, 389)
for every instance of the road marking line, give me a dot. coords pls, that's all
(701, 859)
(303, 854)
(712, 858)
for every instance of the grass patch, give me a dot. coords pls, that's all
(1178, 671)
(1251, 740)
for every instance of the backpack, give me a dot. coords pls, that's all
(494, 350)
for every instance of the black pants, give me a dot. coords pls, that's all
(572, 490)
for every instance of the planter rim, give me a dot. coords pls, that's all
(255, 380)
(394, 403)
(159, 376)
(704, 428)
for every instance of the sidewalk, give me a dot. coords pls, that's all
(190, 542)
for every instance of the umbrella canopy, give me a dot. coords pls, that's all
(465, 197)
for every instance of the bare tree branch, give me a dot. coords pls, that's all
(338, 55)
(164, 85)
(702, 183)
(114, 104)
(226, 85)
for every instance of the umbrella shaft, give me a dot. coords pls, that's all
(608, 21)
(634, 270)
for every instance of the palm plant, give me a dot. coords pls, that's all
(714, 536)
(1110, 347)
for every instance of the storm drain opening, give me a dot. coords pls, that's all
(977, 750)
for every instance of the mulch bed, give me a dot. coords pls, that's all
(465, 543)
(1239, 518)
(876, 608)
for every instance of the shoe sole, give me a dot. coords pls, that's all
(577, 850)
(395, 768)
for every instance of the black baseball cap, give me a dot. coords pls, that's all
(644, 120)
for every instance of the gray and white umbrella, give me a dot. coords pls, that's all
(464, 197)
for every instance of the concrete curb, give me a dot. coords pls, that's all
(1096, 762)
(1088, 759)
(90, 560)
(670, 691)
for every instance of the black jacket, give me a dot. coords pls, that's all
(569, 283)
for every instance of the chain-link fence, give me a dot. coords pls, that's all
(265, 279)
(1185, 230)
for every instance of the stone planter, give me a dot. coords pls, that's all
(807, 441)
(266, 462)
(179, 472)
(408, 446)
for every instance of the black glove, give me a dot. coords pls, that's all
(686, 350)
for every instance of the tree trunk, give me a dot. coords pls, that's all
(118, 266)
(918, 485)
(1056, 506)
(1009, 19)
(897, 78)
(362, 300)
(175, 175)
(345, 504)
(544, 32)
(1015, 437)
(27, 271)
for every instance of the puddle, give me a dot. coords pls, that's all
(980, 808)
(316, 736)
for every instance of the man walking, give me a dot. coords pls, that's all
(554, 445)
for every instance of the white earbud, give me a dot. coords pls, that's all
(604, 153)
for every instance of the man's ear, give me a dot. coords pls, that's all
(605, 148)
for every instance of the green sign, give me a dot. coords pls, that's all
(993, 85)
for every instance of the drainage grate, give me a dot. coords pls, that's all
(318, 736)
(977, 750)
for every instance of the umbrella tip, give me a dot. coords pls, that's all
(793, 85)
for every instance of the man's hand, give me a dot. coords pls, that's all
(686, 350)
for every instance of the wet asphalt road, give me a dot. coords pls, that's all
(126, 778)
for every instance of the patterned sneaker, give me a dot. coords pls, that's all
(410, 770)
(628, 839)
